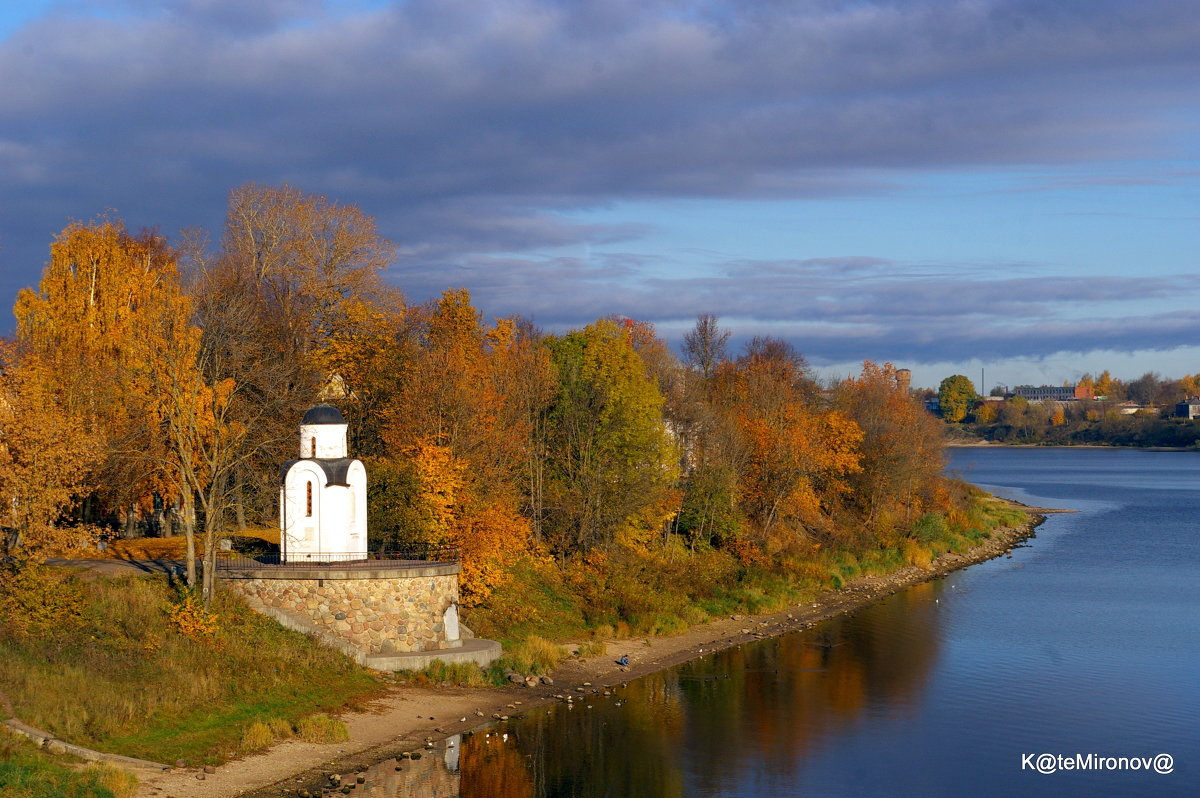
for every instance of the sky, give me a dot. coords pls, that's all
(1007, 189)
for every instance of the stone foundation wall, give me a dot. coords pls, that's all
(383, 613)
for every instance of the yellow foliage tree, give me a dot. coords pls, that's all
(45, 458)
(101, 290)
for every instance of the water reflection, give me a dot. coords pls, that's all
(761, 711)
(434, 774)
(700, 728)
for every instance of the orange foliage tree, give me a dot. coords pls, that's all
(463, 416)
(902, 449)
(101, 291)
(45, 458)
(795, 454)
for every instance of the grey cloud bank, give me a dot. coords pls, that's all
(472, 131)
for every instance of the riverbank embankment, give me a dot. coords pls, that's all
(407, 717)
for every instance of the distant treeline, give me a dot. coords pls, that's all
(1137, 413)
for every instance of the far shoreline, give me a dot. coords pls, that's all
(985, 444)
(407, 717)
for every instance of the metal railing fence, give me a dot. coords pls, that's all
(233, 561)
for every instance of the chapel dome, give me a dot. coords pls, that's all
(323, 414)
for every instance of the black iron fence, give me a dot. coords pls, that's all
(232, 561)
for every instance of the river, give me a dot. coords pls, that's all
(1086, 641)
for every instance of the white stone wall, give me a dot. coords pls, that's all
(338, 523)
(330, 440)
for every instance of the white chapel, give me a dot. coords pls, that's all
(323, 494)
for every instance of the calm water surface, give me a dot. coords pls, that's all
(1085, 641)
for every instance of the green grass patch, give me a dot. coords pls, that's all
(28, 772)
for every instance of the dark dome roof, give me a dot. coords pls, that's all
(323, 414)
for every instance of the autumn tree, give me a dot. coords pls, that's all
(902, 449)
(1146, 389)
(793, 454)
(303, 257)
(609, 454)
(291, 305)
(986, 412)
(459, 437)
(956, 394)
(101, 290)
(202, 419)
(704, 345)
(45, 454)
(1108, 387)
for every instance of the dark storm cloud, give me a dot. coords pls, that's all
(464, 127)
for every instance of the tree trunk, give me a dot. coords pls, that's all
(210, 568)
(239, 503)
(188, 513)
(212, 530)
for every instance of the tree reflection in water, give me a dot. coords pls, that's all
(749, 713)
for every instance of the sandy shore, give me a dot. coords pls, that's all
(407, 716)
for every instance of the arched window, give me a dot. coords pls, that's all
(308, 500)
(313, 450)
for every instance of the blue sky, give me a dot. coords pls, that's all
(952, 186)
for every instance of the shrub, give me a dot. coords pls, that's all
(455, 674)
(916, 554)
(258, 735)
(36, 600)
(535, 655)
(929, 527)
(191, 619)
(121, 783)
(321, 728)
(592, 648)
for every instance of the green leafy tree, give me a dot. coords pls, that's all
(609, 455)
(956, 394)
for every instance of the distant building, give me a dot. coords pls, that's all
(1064, 393)
(904, 379)
(1188, 408)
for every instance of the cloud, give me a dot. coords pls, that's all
(840, 309)
(469, 129)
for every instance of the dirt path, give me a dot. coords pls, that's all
(406, 717)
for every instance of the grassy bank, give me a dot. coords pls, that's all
(624, 592)
(134, 666)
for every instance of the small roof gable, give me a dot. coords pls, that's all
(323, 414)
